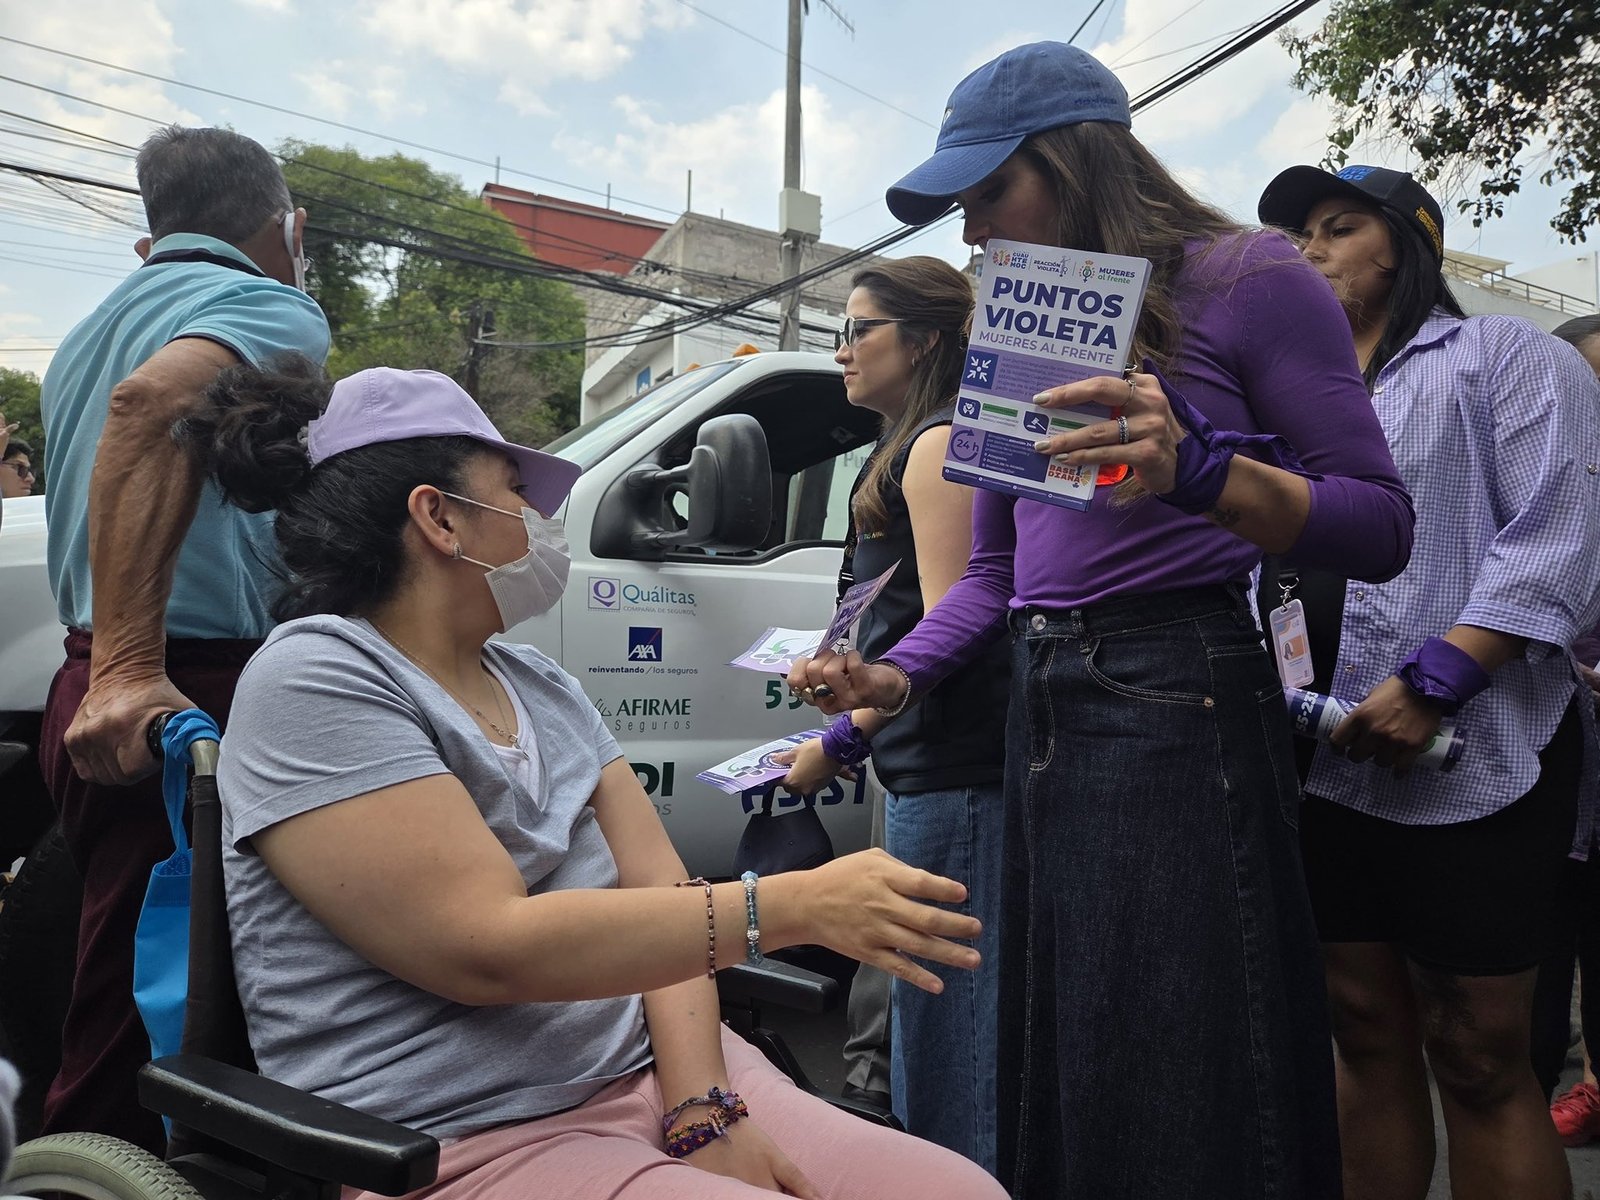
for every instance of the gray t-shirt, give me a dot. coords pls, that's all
(327, 710)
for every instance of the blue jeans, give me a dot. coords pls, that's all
(942, 1061)
(1163, 1019)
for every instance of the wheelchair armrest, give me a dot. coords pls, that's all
(11, 753)
(288, 1128)
(773, 982)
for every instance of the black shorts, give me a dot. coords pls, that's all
(1472, 898)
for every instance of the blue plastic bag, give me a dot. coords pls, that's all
(161, 941)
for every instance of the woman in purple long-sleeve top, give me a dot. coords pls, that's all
(1154, 906)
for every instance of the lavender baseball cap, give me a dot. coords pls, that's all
(383, 404)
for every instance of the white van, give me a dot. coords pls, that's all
(688, 541)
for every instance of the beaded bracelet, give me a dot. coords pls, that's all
(711, 924)
(686, 1139)
(905, 697)
(752, 925)
(715, 1098)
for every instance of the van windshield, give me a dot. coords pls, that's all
(590, 442)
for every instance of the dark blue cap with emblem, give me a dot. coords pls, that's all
(1294, 193)
(1040, 86)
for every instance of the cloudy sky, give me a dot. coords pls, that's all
(575, 97)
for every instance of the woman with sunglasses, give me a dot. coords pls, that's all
(942, 761)
(1154, 909)
(451, 903)
(1437, 894)
(16, 464)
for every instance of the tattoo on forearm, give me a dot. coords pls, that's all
(1225, 517)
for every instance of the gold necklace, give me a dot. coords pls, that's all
(460, 699)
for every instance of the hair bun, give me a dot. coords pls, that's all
(250, 430)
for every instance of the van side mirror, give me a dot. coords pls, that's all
(729, 485)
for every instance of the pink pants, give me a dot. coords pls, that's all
(609, 1148)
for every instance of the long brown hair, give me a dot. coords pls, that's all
(1117, 198)
(932, 301)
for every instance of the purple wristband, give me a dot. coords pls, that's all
(844, 743)
(1203, 456)
(1443, 673)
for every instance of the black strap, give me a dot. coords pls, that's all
(847, 575)
(203, 256)
(847, 565)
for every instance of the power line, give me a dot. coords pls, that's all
(483, 209)
(1205, 41)
(40, 172)
(75, 268)
(779, 50)
(1104, 21)
(1209, 62)
(578, 276)
(290, 112)
(691, 321)
(64, 249)
(1158, 31)
(464, 251)
(1153, 95)
(1085, 21)
(79, 133)
(686, 272)
(690, 273)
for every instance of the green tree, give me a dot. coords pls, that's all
(1468, 87)
(385, 237)
(19, 402)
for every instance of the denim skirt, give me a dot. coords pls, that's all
(1163, 1019)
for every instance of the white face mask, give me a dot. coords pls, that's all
(299, 260)
(528, 586)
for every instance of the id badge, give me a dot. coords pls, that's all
(1291, 643)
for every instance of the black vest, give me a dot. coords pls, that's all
(955, 735)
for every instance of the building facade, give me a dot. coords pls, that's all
(571, 234)
(710, 261)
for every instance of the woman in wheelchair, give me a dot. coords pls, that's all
(451, 903)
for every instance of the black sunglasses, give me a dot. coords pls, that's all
(854, 327)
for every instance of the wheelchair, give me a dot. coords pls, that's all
(235, 1135)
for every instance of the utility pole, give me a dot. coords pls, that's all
(477, 348)
(790, 247)
(799, 213)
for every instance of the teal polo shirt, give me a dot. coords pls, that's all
(227, 567)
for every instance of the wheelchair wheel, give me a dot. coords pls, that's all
(93, 1166)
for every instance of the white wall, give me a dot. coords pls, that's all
(1579, 276)
(1477, 301)
(612, 379)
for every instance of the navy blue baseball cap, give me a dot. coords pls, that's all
(1295, 192)
(994, 110)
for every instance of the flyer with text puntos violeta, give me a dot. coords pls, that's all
(1045, 316)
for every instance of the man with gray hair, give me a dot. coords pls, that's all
(163, 588)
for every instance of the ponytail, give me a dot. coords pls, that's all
(250, 430)
(340, 524)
